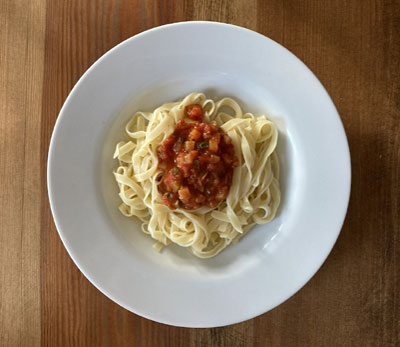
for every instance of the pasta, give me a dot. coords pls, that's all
(254, 195)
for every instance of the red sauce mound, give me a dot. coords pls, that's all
(197, 161)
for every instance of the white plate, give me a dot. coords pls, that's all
(273, 261)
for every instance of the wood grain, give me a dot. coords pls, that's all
(21, 71)
(354, 49)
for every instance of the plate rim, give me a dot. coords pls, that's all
(263, 310)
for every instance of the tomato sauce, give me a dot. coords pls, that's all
(197, 161)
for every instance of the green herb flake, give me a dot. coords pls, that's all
(202, 145)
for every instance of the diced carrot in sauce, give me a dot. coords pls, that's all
(189, 145)
(214, 142)
(209, 131)
(194, 112)
(190, 157)
(184, 193)
(194, 134)
(180, 159)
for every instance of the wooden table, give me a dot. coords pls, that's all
(354, 49)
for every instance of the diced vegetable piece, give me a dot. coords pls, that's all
(194, 112)
(194, 134)
(184, 193)
(214, 142)
(189, 145)
(172, 183)
(178, 144)
(208, 131)
(190, 157)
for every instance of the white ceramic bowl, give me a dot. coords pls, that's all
(269, 264)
